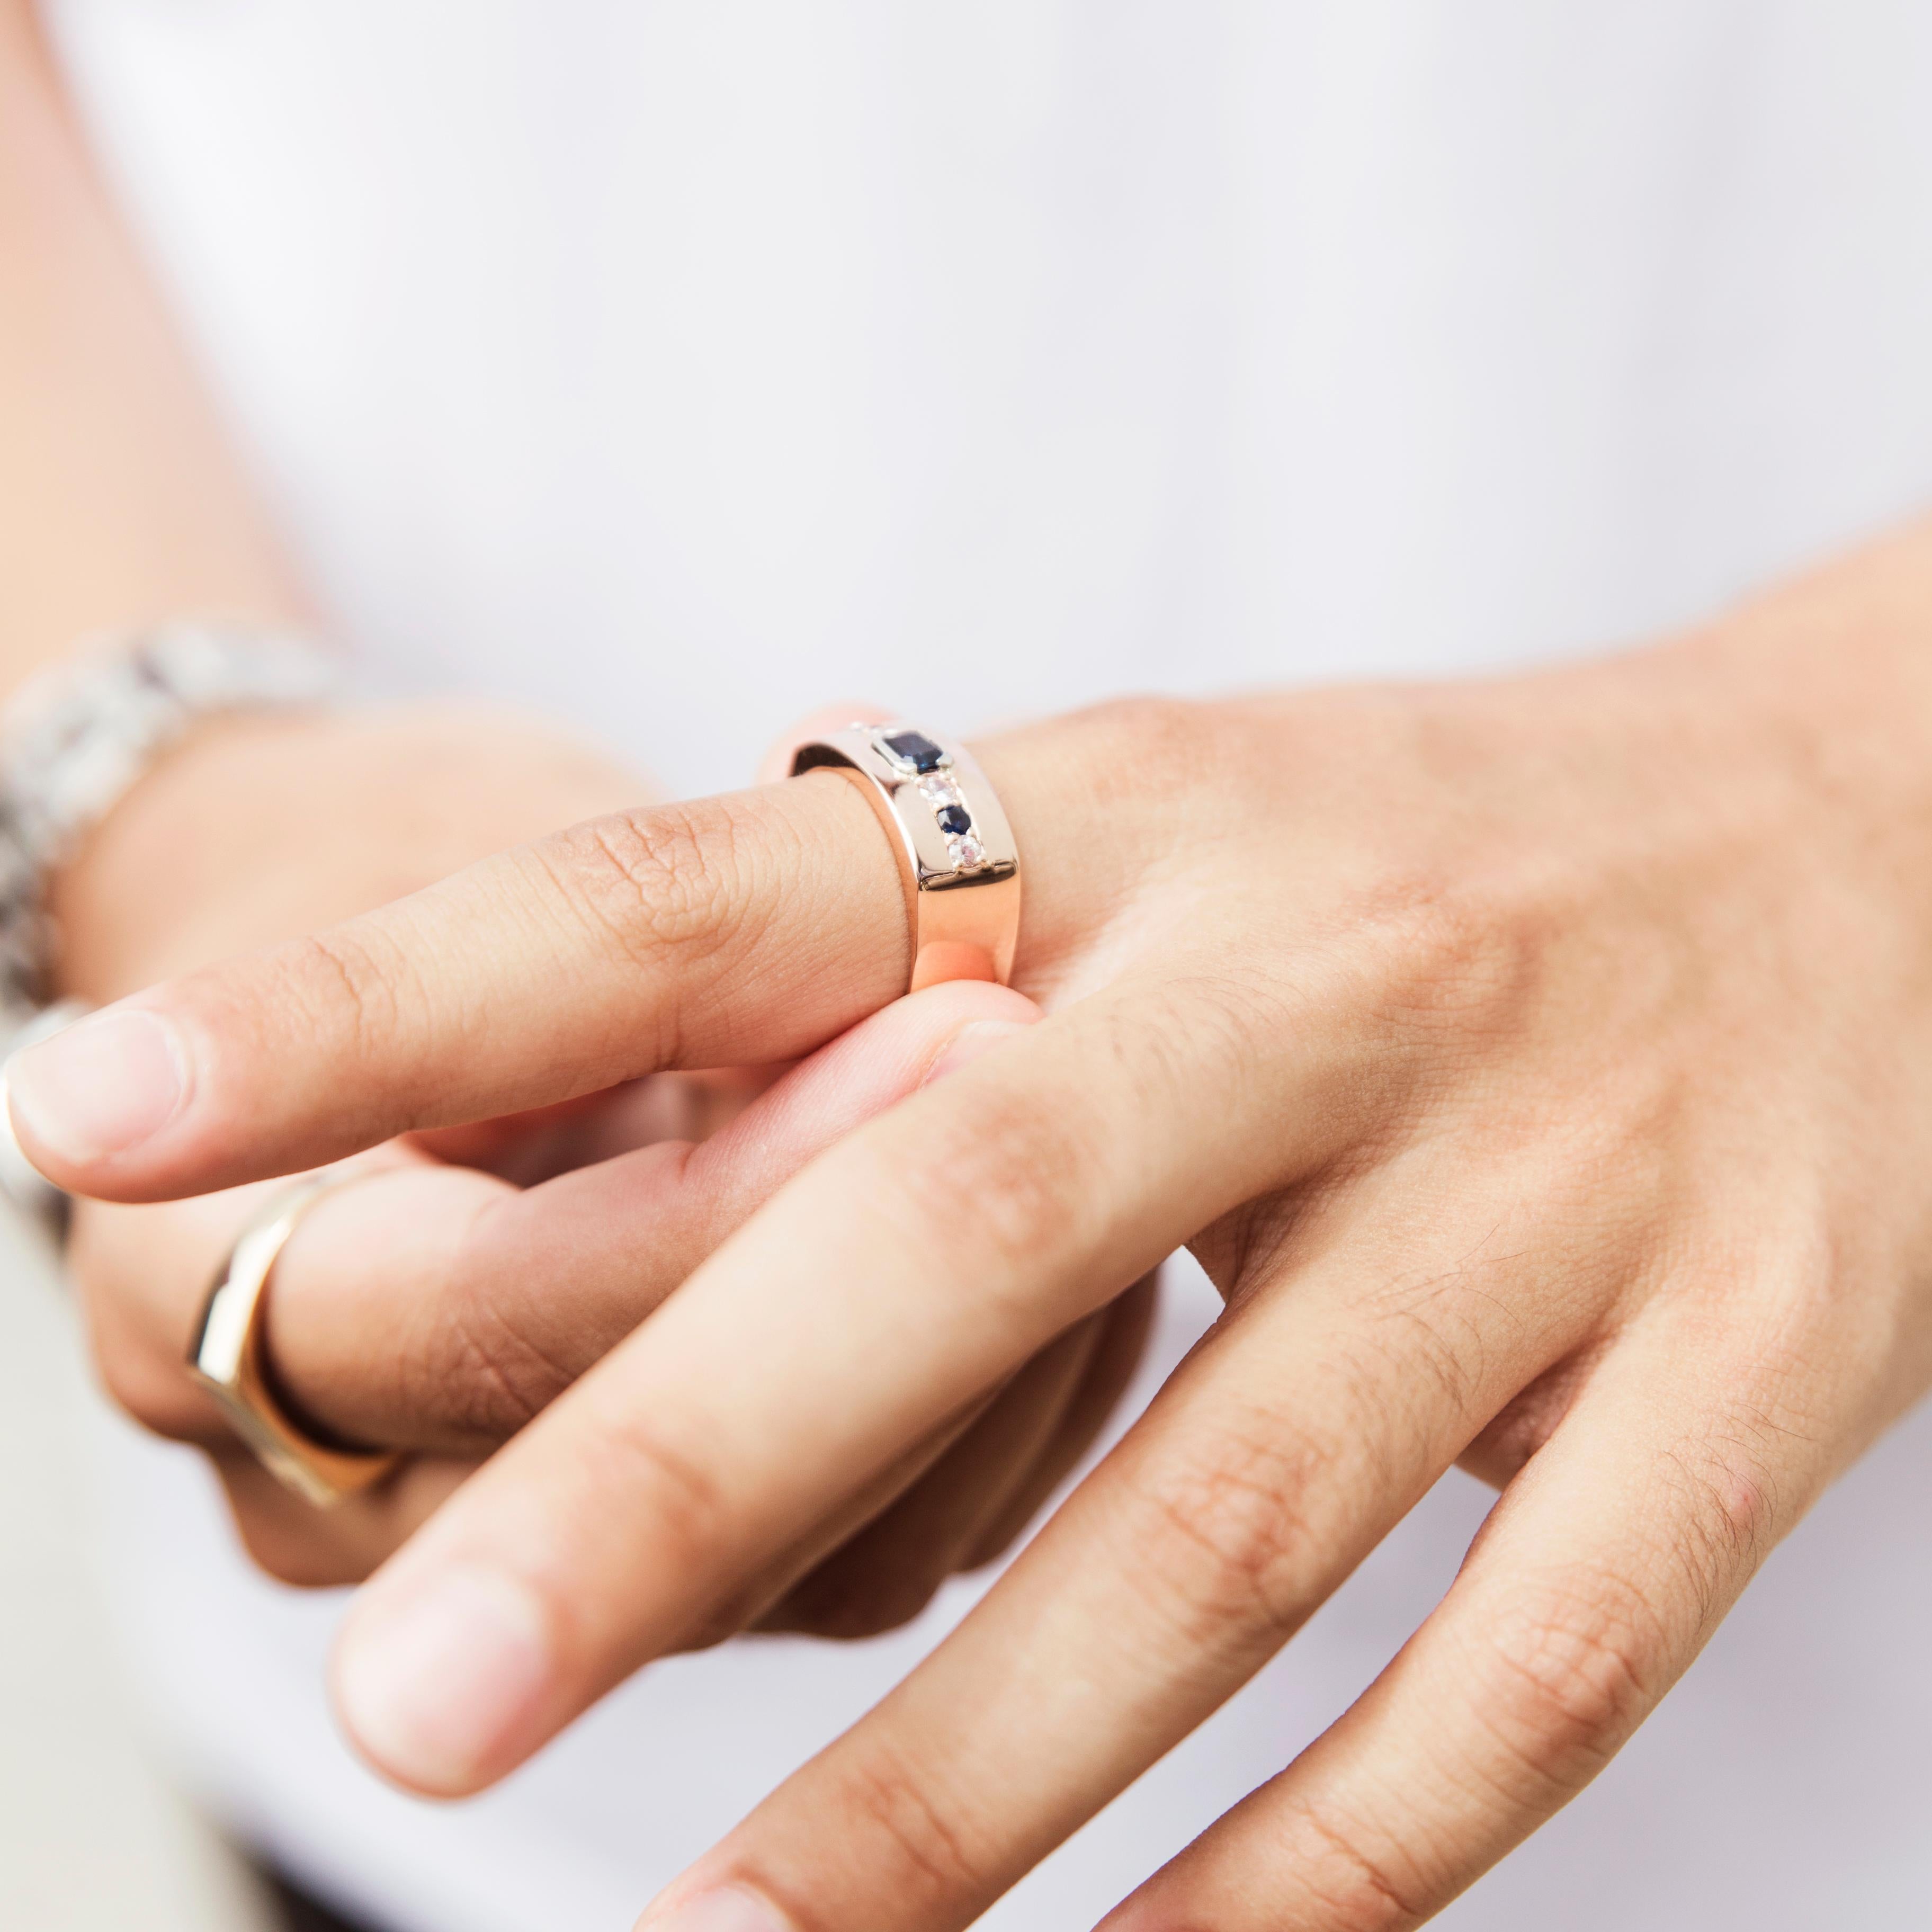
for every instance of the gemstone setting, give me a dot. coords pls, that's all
(914, 749)
(930, 765)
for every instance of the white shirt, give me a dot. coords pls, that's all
(678, 368)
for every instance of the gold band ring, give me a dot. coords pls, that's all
(227, 1356)
(957, 862)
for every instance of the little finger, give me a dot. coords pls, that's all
(1606, 1566)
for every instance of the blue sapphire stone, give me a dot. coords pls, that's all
(955, 819)
(916, 748)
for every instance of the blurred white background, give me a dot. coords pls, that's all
(90, 1837)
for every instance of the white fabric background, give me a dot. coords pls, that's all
(676, 368)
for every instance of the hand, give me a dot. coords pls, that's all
(438, 1307)
(1539, 1067)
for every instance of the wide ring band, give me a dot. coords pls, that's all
(957, 862)
(226, 1357)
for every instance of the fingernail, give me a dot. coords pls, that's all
(436, 1690)
(729, 1910)
(968, 1043)
(101, 1087)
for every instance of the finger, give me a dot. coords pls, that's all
(544, 1141)
(730, 931)
(299, 1545)
(725, 931)
(1600, 1574)
(1116, 1354)
(753, 1605)
(537, 1145)
(907, 1272)
(387, 1339)
(475, 1322)
(886, 1574)
(1304, 1427)
(911, 1270)
(985, 1488)
(436, 1308)
(315, 1550)
(994, 1463)
(141, 1275)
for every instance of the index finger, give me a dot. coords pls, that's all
(891, 1283)
(747, 928)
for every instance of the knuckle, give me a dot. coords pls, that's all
(690, 1515)
(495, 1378)
(344, 985)
(1233, 1546)
(1570, 1676)
(1142, 754)
(353, 973)
(1450, 954)
(903, 1806)
(482, 1364)
(354, 986)
(1015, 1176)
(1437, 1323)
(1216, 1020)
(1734, 1507)
(650, 881)
(1167, 738)
(1022, 1185)
(1355, 1879)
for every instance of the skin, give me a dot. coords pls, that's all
(438, 1306)
(120, 500)
(122, 503)
(1537, 1066)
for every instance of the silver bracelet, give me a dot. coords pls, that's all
(73, 742)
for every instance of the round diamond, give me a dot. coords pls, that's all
(939, 790)
(967, 852)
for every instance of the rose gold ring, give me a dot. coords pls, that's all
(957, 859)
(226, 1356)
